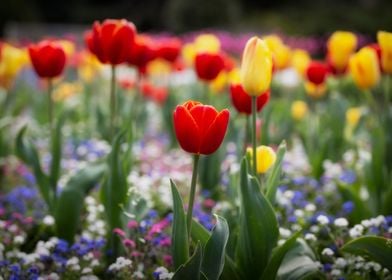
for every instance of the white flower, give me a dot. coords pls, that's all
(340, 263)
(336, 272)
(299, 213)
(366, 223)
(322, 220)
(327, 252)
(310, 237)
(310, 207)
(75, 267)
(285, 233)
(89, 277)
(19, 239)
(48, 220)
(72, 261)
(138, 275)
(341, 222)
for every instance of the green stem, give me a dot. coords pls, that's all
(112, 101)
(50, 107)
(387, 89)
(207, 93)
(254, 144)
(192, 193)
(246, 133)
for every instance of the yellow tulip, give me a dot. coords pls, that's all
(88, 67)
(299, 109)
(353, 115)
(188, 53)
(364, 68)
(315, 91)
(219, 83)
(385, 41)
(256, 67)
(158, 67)
(66, 90)
(12, 61)
(340, 46)
(300, 61)
(281, 52)
(68, 46)
(266, 158)
(207, 43)
(234, 76)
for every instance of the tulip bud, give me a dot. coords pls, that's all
(385, 41)
(353, 116)
(364, 68)
(300, 61)
(207, 43)
(340, 46)
(266, 158)
(299, 110)
(256, 67)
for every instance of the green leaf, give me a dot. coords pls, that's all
(209, 172)
(299, 263)
(56, 143)
(274, 176)
(258, 227)
(201, 234)
(180, 245)
(214, 250)
(378, 249)
(277, 257)
(191, 270)
(29, 155)
(114, 189)
(71, 200)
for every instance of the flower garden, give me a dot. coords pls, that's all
(204, 156)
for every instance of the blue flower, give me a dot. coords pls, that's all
(348, 207)
(348, 177)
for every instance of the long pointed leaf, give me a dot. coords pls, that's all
(215, 250)
(376, 248)
(180, 245)
(258, 230)
(277, 257)
(27, 152)
(273, 178)
(191, 270)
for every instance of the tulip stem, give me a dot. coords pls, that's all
(50, 106)
(192, 193)
(254, 145)
(112, 101)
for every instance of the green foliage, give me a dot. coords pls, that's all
(180, 246)
(375, 248)
(274, 176)
(299, 263)
(71, 199)
(258, 227)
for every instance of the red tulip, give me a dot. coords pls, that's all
(209, 65)
(143, 51)
(48, 58)
(317, 72)
(169, 49)
(111, 41)
(243, 101)
(377, 48)
(199, 128)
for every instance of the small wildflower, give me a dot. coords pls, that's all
(341, 222)
(327, 252)
(323, 220)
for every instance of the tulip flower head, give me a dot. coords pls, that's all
(353, 115)
(207, 43)
(142, 52)
(385, 41)
(209, 65)
(111, 41)
(169, 49)
(266, 158)
(242, 102)
(12, 60)
(299, 109)
(300, 60)
(364, 68)
(280, 52)
(199, 128)
(48, 58)
(256, 67)
(317, 72)
(341, 45)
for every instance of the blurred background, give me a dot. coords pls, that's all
(19, 18)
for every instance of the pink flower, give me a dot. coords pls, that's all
(119, 232)
(132, 224)
(129, 243)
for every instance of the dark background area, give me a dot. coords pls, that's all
(303, 17)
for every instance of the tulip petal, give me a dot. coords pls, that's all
(186, 130)
(204, 116)
(121, 44)
(216, 132)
